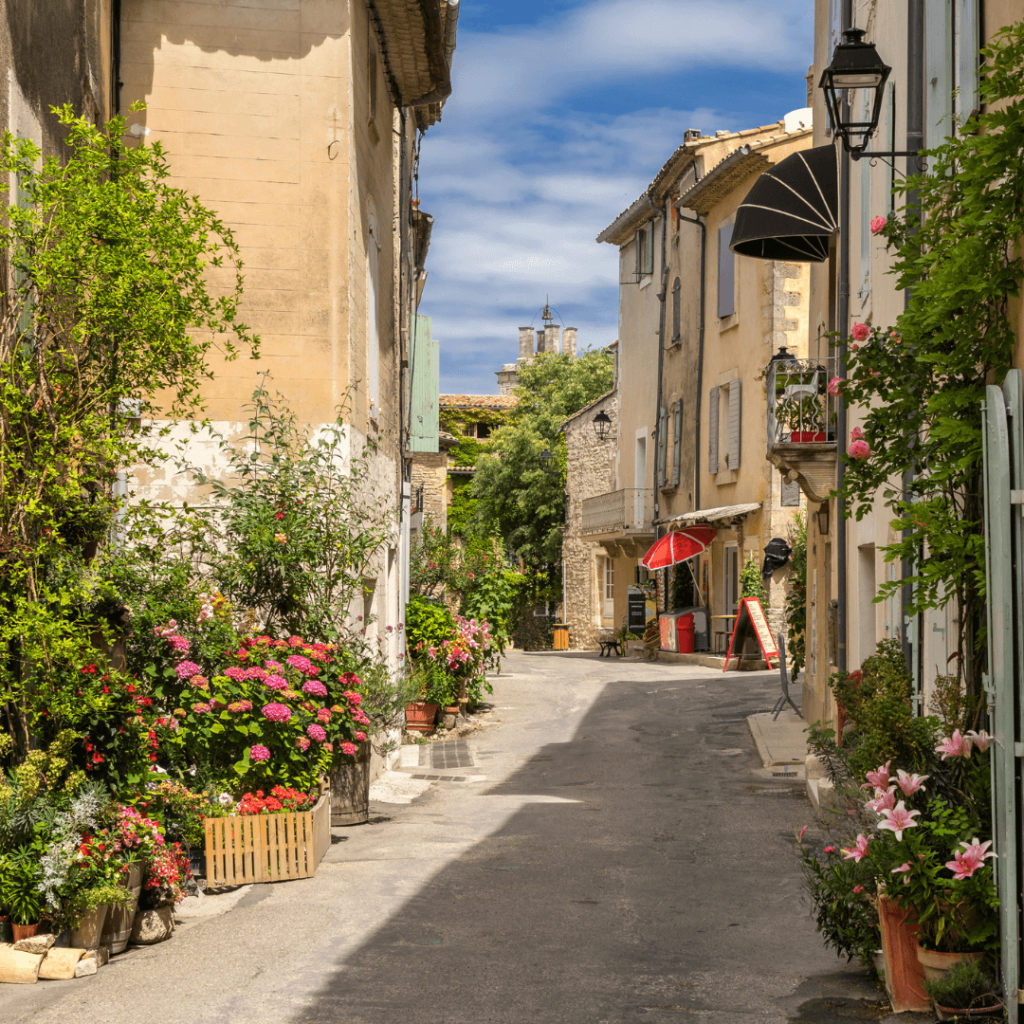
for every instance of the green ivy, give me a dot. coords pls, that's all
(796, 595)
(920, 383)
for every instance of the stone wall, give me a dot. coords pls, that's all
(430, 471)
(590, 470)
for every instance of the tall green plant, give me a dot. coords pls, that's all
(920, 383)
(796, 595)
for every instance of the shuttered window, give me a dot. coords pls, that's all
(677, 441)
(735, 401)
(713, 430)
(676, 312)
(645, 251)
(663, 447)
(726, 273)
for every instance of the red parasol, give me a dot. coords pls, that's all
(679, 546)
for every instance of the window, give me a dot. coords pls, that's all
(726, 273)
(677, 441)
(608, 604)
(645, 251)
(729, 409)
(676, 311)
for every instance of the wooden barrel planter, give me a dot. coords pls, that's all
(118, 925)
(247, 848)
(350, 789)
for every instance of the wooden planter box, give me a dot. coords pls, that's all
(249, 848)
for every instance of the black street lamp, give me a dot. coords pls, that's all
(855, 66)
(546, 459)
(822, 517)
(602, 425)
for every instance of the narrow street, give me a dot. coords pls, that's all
(613, 853)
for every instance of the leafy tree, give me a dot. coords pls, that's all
(518, 499)
(110, 319)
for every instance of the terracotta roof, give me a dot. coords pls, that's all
(417, 41)
(477, 401)
(645, 208)
(446, 440)
(702, 196)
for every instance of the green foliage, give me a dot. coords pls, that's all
(299, 529)
(796, 596)
(427, 623)
(920, 385)
(518, 499)
(877, 699)
(967, 985)
(466, 452)
(751, 583)
(461, 507)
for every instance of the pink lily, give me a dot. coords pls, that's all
(859, 851)
(955, 746)
(885, 800)
(800, 837)
(965, 862)
(910, 783)
(980, 739)
(898, 820)
(879, 778)
(903, 869)
(977, 851)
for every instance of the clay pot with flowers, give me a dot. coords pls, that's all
(164, 885)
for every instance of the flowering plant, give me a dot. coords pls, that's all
(282, 799)
(167, 875)
(458, 662)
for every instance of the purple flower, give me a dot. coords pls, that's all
(259, 753)
(187, 669)
(314, 688)
(277, 712)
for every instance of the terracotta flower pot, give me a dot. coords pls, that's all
(937, 965)
(904, 975)
(419, 716)
(24, 931)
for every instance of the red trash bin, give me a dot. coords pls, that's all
(684, 626)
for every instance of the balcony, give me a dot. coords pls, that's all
(802, 423)
(622, 519)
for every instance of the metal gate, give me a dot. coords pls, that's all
(1003, 436)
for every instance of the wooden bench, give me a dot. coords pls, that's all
(607, 646)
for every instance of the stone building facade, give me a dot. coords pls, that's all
(549, 338)
(587, 570)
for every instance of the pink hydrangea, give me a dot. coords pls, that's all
(877, 224)
(323, 715)
(274, 666)
(302, 743)
(277, 712)
(199, 682)
(256, 673)
(329, 747)
(238, 706)
(316, 732)
(291, 694)
(360, 735)
(187, 669)
(179, 643)
(276, 682)
(314, 688)
(235, 673)
(258, 752)
(298, 661)
(200, 709)
(348, 748)
(352, 697)
(861, 332)
(359, 717)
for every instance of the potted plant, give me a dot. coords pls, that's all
(22, 896)
(966, 992)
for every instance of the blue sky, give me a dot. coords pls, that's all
(561, 114)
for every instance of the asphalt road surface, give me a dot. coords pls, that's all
(605, 850)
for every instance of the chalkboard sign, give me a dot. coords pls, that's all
(637, 617)
(751, 624)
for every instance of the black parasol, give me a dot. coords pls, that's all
(791, 212)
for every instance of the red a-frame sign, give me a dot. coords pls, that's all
(751, 621)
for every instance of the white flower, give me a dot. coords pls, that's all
(225, 798)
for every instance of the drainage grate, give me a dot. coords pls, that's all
(441, 778)
(450, 754)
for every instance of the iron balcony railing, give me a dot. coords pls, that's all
(800, 408)
(629, 509)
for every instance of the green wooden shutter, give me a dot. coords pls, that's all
(424, 388)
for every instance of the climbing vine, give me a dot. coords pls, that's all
(921, 383)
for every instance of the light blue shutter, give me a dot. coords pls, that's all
(662, 446)
(677, 441)
(968, 42)
(713, 430)
(726, 273)
(938, 44)
(735, 401)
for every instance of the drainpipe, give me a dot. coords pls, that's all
(115, 58)
(700, 350)
(844, 326)
(662, 297)
(915, 142)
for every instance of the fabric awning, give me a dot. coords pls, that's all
(678, 546)
(792, 211)
(724, 513)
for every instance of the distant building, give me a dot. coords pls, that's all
(547, 340)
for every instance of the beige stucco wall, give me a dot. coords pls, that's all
(590, 470)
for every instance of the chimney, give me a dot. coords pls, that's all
(569, 341)
(525, 342)
(692, 135)
(540, 341)
(551, 338)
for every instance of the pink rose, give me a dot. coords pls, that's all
(877, 224)
(835, 385)
(861, 332)
(859, 450)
